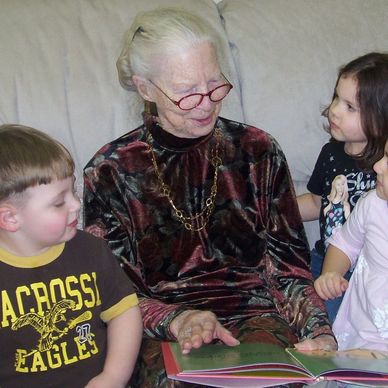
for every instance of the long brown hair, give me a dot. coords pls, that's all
(371, 73)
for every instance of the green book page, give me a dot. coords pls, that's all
(320, 361)
(217, 357)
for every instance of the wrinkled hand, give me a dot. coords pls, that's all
(330, 285)
(322, 342)
(194, 328)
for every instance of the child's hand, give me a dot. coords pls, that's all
(322, 342)
(105, 380)
(330, 285)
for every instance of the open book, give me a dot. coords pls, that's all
(252, 365)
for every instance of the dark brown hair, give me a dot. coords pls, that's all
(371, 73)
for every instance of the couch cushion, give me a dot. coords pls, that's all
(288, 53)
(58, 68)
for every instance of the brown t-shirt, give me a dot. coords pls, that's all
(54, 309)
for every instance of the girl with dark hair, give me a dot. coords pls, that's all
(358, 125)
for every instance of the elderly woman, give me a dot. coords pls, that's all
(200, 210)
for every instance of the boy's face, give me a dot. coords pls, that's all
(49, 215)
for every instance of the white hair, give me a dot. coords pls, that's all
(159, 34)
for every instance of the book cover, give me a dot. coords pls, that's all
(265, 365)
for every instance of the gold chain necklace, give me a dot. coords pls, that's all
(198, 221)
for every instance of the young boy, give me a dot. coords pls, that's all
(69, 316)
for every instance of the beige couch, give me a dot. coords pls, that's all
(57, 67)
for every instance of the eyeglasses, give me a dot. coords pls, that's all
(191, 101)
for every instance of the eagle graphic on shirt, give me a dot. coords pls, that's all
(46, 324)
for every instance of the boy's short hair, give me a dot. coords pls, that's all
(29, 157)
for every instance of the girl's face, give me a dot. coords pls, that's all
(344, 116)
(194, 70)
(48, 216)
(381, 169)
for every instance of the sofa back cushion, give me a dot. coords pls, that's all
(287, 54)
(58, 68)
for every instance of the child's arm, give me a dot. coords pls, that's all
(124, 339)
(309, 206)
(331, 283)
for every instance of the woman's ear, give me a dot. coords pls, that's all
(143, 87)
(8, 218)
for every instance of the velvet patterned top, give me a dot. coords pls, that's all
(251, 259)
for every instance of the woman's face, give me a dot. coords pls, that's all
(194, 70)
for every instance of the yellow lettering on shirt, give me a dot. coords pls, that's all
(67, 360)
(7, 311)
(82, 350)
(98, 299)
(85, 281)
(74, 293)
(53, 357)
(21, 361)
(19, 297)
(38, 364)
(57, 284)
(41, 296)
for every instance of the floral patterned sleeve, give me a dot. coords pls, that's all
(287, 260)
